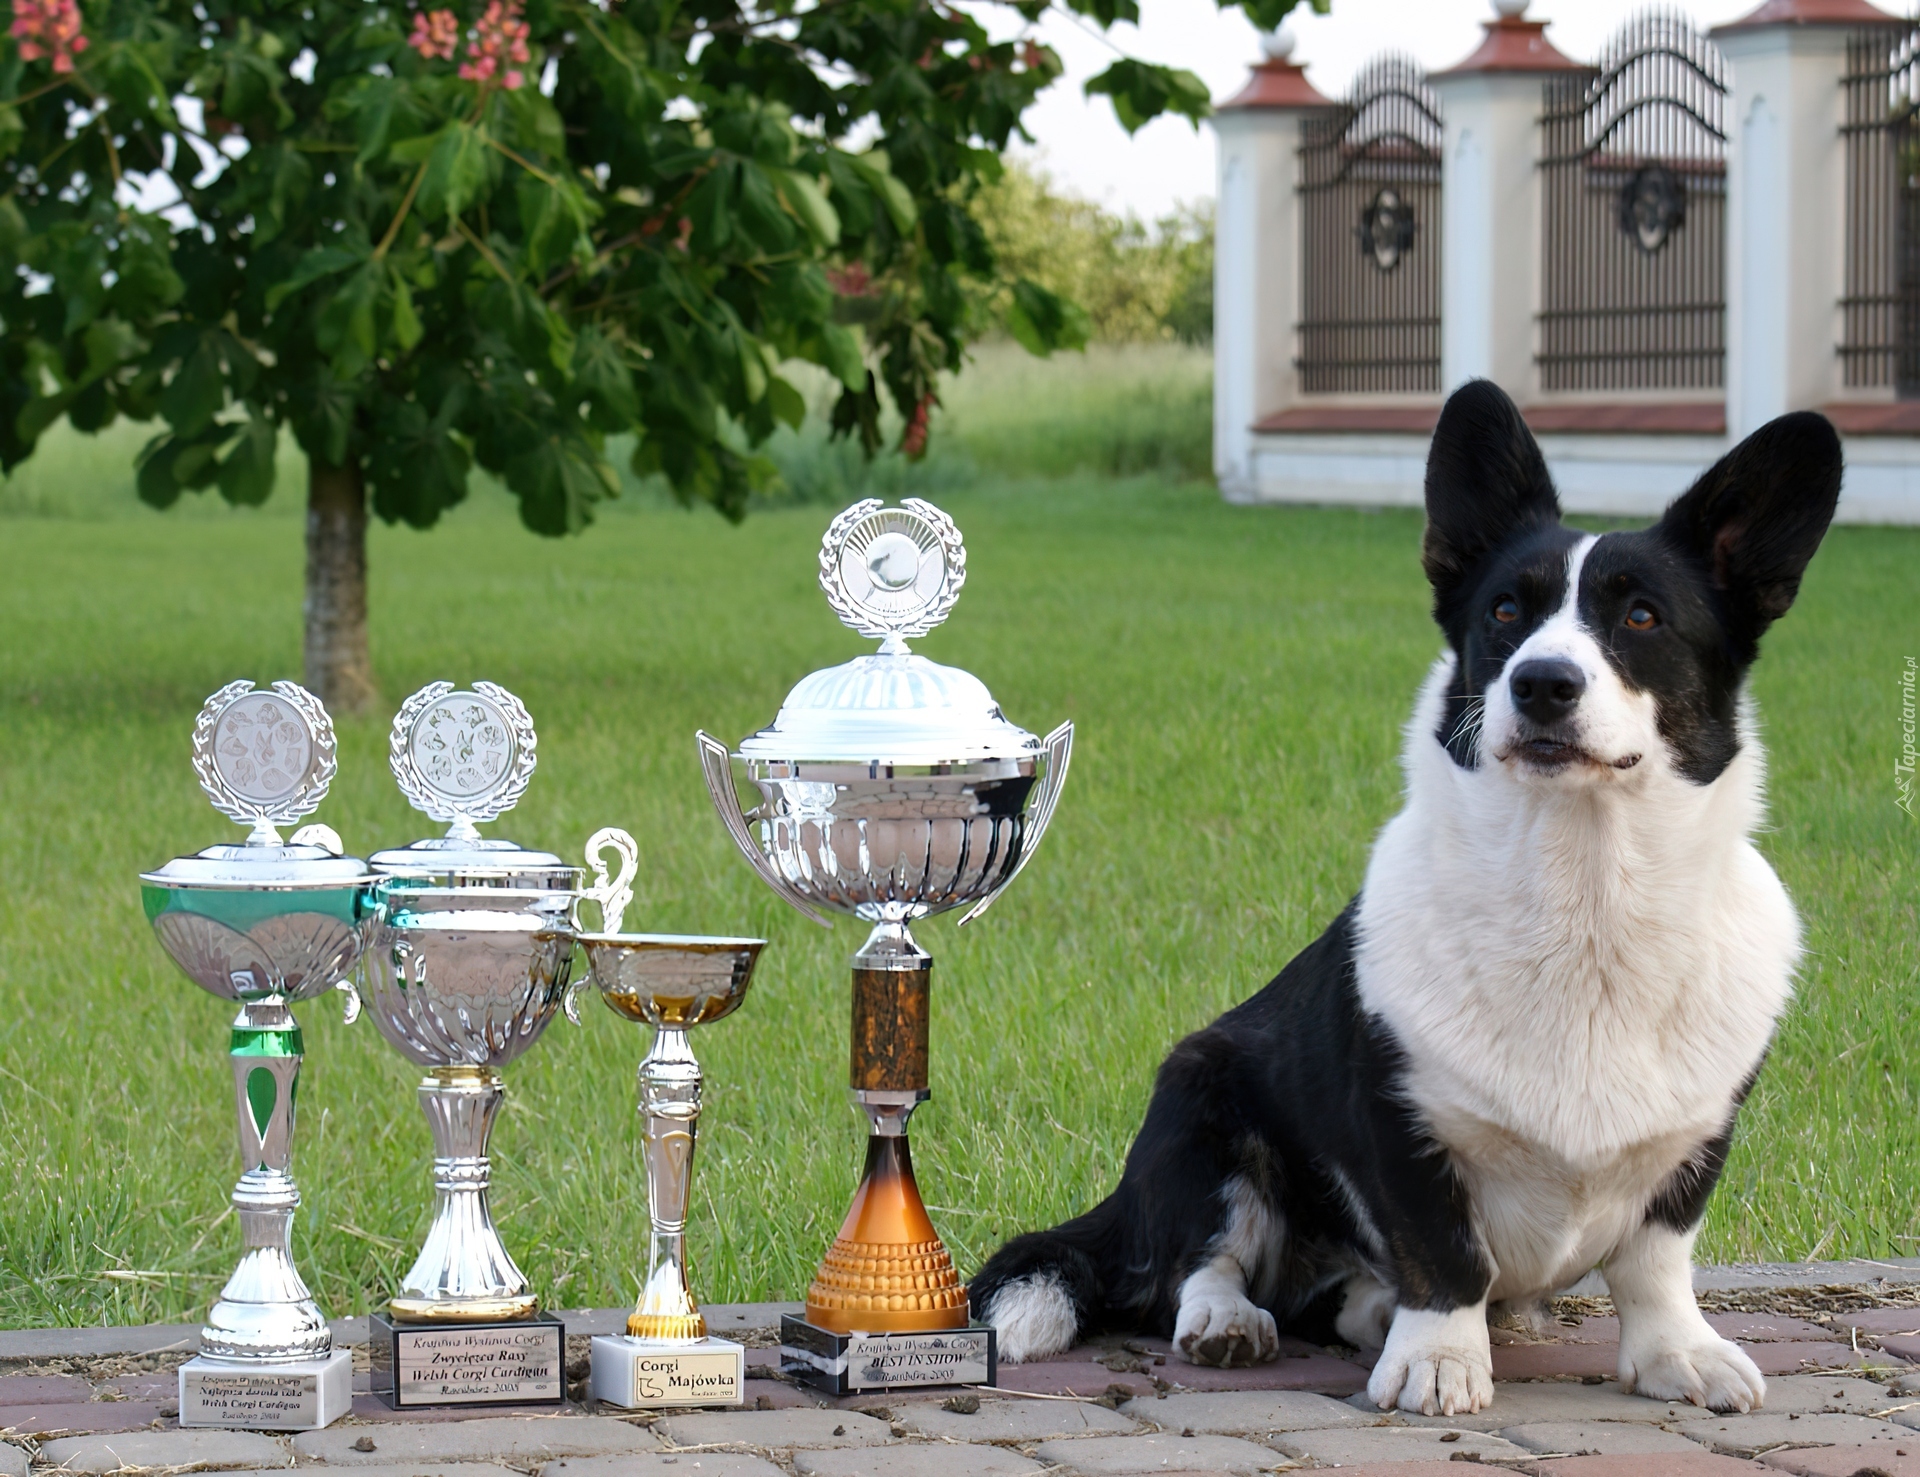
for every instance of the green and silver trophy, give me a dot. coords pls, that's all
(266, 924)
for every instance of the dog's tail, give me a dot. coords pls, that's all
(1045, 1289)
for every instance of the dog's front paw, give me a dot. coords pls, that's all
(1220, 1329)
(1707, 1371)
(1435, 1363)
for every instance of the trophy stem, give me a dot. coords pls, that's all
(463, 1273)
(888, 1270)
(670, 1084)
(265, 1313)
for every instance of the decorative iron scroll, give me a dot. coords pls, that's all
(1633, 214)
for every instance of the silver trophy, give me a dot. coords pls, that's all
(672, 982)
(266, 924)
(890, 788)
(466, 964)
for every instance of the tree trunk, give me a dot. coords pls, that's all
(338, 669)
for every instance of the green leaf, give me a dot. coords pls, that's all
(13, 234)
(710, 209)
(246, 471)
(345, 329)
(406, 323)
(808, 203)
(153, 474)
(559, 480)
(325, 419)
(840, 352)
(459, 171)
(418, 468)
(1042, 321)
(197, 391)
(13, 128)
(788, 403)
(877, 175)
(1141, 92)
(601, 375)
(322, 261)
(760, 212)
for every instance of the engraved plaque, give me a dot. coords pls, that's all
(843, 1363)
(425, 1364)
(301, 1396)
(646, 1373)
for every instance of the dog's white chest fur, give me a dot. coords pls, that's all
(1582, 980)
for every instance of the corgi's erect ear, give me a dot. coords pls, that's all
(1486, 480)
(1755, 517)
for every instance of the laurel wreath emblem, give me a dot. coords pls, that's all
(861, 525)
(311, 785)
(440, 802)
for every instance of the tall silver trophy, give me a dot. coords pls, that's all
(672, 982)
(890, 788)
(265, 924)
(467, 960)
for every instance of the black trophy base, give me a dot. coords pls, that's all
(469, 1364)
(849, 1363)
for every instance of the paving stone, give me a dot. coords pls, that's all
(161, 1387)
(436, 1469)
(933, 1460)
(1654, 1464)
(1526, 1405)
(1015, 1420)
(1240, 1412)
(43, 1389)
(1439, 1469)
(1908, 1415)
(1744, 1435)
(82, 1420)
(86, 1343)
(519, 1440)
(375, 1411)
(13, 1461)
(647, 1464)
(1391, 1444)
(1806, 1394)
(217, 1450)
(1078, 1377)
(1558, 1361)
(1876, 1321)
(1900, 1345)
(1609, 1438)
(776, 1429)
(1799, 1357)
(1846, 1461)
(1099, 1456)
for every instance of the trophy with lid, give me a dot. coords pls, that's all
(266, 924)
(467, 960)
(890, 788)
(672, 982)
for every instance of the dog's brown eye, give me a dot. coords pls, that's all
(1505, 609)
(1641, 619)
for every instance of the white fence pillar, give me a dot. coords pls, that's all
(1256, 264)
(1786, 205)
(1490, 244)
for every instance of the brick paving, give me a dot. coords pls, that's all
(1843, 1396)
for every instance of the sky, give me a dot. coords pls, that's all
(1083, 147)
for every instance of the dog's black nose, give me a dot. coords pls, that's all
(1547, 689)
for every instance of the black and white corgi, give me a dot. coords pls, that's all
(1519, 1052)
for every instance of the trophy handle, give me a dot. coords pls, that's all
(351, 1011)
(717, 765)
(1059, 745)
(613, 896)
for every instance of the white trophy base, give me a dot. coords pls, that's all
(642, 1374)
(297, 1396)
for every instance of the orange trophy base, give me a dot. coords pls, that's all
(888, 1270)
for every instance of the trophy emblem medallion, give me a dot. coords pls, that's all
(265, 925)
(890, 788)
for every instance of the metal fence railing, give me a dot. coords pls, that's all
(1633, 214)
(1880, 308)
(1370, 237)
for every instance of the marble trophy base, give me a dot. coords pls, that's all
(300, 1395)
(415, 1365)
(848, 1363)
(644, 1374)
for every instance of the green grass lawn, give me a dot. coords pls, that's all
(1238, 678)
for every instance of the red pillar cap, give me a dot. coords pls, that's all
(1516, 45)
(1811, 13)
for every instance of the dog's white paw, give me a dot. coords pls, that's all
(1705, 1370)
(1220, 1328)
(1366, 1313)
(1435, 1363)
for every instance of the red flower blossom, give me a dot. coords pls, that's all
(913, 440)
(435, 34)
(48, 28)
(852, 280)
(500, 37)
